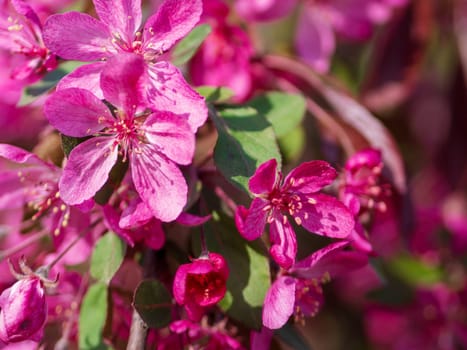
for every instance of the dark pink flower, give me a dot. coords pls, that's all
(21, 34)
(23, 311)
(298, 291)
(154, 141)
(298, 196)
(200, 284)
(117, 32)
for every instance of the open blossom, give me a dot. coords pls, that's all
(298, 290)
(298, 196)
(116, 33)
(200, 284)
(21, 34)
(23, 311)
(153, 141)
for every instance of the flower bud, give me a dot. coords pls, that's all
(23, 311)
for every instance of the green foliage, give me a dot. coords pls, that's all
(40, 88)
(92, 317)
(107, 257)
(186, 48)
(290, 335)
(292, 144)
(153, 303)
(246, 139)
(215, 94)
(284, 111)
(414, 271)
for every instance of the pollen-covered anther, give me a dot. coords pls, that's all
(311, 201)
(298, 220)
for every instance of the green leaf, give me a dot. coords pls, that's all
(292, 144)
(414, 271)
(186, 48)
(107, 257)
(215, 94)
(249, 277)
(40, 88)
(153, 303)
(284, 111)
(245, 141)
(292, 337)
(92, 317)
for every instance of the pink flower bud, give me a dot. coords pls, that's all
(200, 284)
(23, 311)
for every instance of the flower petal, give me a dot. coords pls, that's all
(279, 302)
(173, 20)
(250, 222)
(87, 169)
(283, 241)
(159, 182)
(315, 38)
(76, 112)
(310, 177)
(169, 91)
(172, 135)
(78, 36)
(190, 220)
(264, 179)
(326, 216)
(154, 236)
(122, 17)
(85, 77)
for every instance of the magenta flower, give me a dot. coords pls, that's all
(21, 34)
(200, 284)
(23, 311)
(117, 33)
(299, 289)
(154, 141)
(298, 196)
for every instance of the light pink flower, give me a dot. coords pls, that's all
(298, 196)
(153, 141)
(117, 32)
(23, 311)
(299, 289)
(200, 284)
(21, 34)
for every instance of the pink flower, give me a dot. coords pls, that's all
(224, 57)
(21, 34)
(23, 311)
(298, 196)
(299, 289)
(117, 33)
(200, 284)
(154, 141)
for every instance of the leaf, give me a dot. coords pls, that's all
(153, 303)
(186, 48)
(292, 144)
(292, 337)
(107, 257)
(415, 272)
(249, 277)
(40, 88)
(92, 317)
(283, 111)
(215, 94)
(246, 139)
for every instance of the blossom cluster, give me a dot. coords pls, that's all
(161, 188)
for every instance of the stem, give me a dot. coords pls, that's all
(23, 244)
(138, 332)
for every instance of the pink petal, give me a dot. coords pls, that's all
(85, 77)
(326, 217)
(154, 236)
(264, 10)
(122, 17)
(279, 302)
(250, 223)
(76, 112)
(78, 36)
(111, 218)
(169, 91)
(172, 136)
(136, 214)
(120, 81)
(19, 155)
(261, 340)
(159, 182)
(355, 19)
(87, 169)
(264, 179)
(25, 10)
(283, 240)
(310, 177)
(173, 20)
(315, 38)
(179, 283)
(190, 220)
